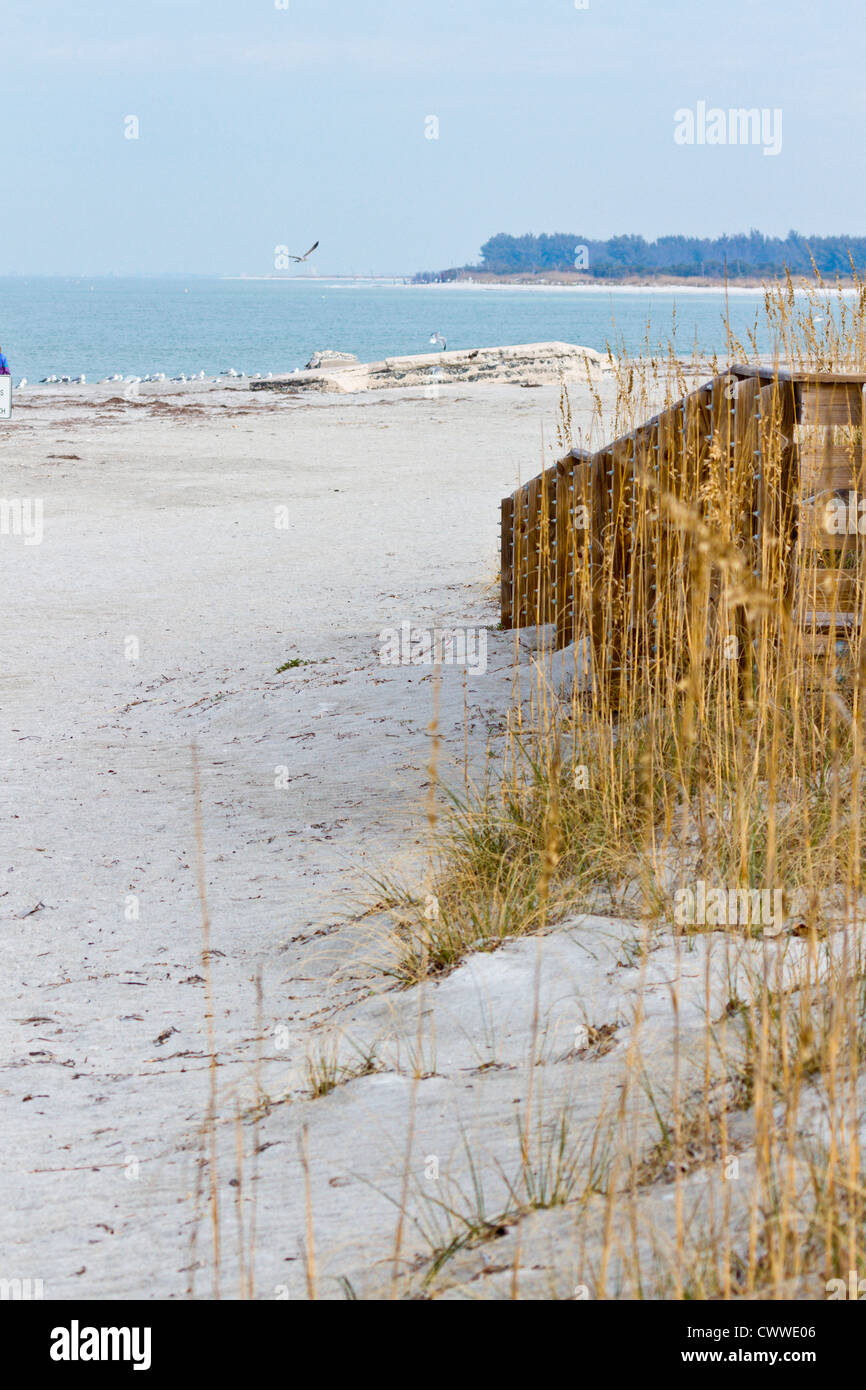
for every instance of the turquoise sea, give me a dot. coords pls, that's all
(99, 327)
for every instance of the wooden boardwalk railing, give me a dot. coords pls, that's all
(771, 460)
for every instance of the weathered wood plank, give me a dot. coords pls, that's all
(836, 403)
(506, 600)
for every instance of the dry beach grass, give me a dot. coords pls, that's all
(613, 800)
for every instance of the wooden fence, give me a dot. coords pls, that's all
(757, 472)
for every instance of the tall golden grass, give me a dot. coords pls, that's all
(708, 733)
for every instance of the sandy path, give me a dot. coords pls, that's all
(161, 528)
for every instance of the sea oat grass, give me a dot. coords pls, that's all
(664, 762)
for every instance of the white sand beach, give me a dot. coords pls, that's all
(160, 545)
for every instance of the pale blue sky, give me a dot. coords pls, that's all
(262, 126)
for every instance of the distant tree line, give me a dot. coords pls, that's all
(750, 254)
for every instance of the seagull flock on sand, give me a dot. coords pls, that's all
(118, 379)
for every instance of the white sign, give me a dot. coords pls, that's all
(5, 397)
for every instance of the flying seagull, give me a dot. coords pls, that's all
(437, 338)
(306, 253)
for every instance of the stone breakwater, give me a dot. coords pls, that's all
(531, 364)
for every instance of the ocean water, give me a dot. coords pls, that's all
(99, 327)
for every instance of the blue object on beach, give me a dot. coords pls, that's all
(4, 366)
